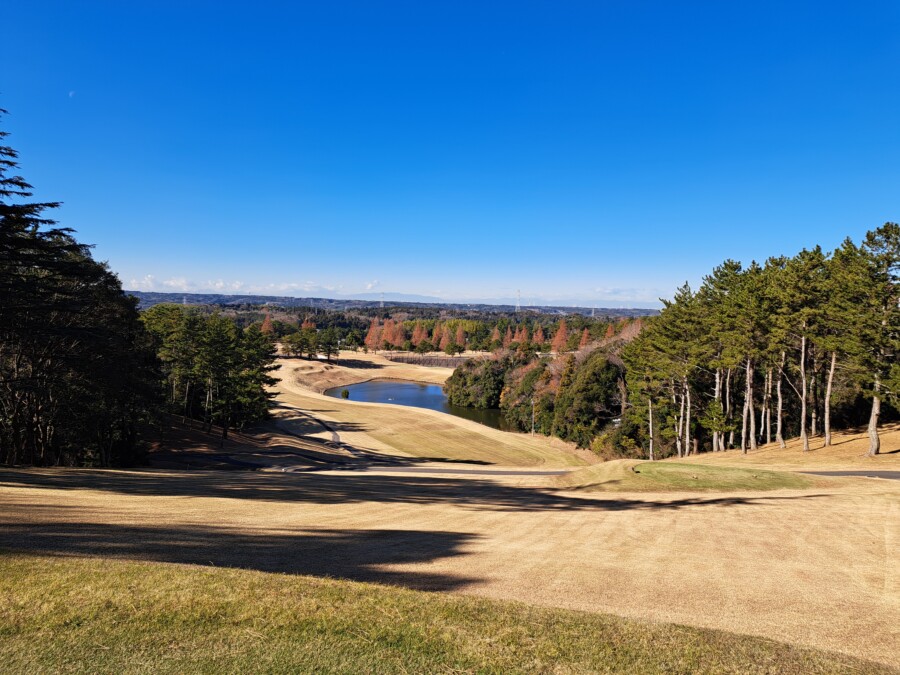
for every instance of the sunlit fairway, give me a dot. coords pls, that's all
(634, 476)
(81, 615)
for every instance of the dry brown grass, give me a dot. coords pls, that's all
(811, 567)
(848, 452)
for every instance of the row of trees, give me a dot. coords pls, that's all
(456, 337)
(574, 397)
(791, 348)
(213, 371)
(82, 373)
(770, 351)
(77, 370)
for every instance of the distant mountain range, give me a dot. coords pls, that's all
(370, 300)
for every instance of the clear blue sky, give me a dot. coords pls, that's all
(599, 151)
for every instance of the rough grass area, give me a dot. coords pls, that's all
(91, 615)
(632, 476)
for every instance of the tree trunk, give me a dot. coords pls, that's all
(717, 397)
(814, 398)
(746, 410)
(803, 389)
(728, 410)
(650, 423)
(828, 389)
(874, 441)
(779, 417)
(680, 423)
(762, 410)
(769, 407)
(749, 413)
(687, 423)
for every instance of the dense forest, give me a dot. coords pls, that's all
(82, 374)
(757, 354)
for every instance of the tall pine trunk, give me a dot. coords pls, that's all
(687, 422)
(680, 421)
(728, 410)
(874, 440)
(803, 388)
(779, 417)
(717, 397)
(828, 389)
(814, 398)
(749, 405)
(769, 407)
(650, 423)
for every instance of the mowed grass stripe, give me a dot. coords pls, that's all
(90, 615)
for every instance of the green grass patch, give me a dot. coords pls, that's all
(629, 475)
(94, 615)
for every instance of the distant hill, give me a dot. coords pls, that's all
(150, 298)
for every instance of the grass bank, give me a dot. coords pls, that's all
(634, 476)
(93, 615)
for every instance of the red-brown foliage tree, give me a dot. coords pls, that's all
(267, 328)
(585, 339)
(610, 332)
(538, 337)
(373, 337)
(508, 338)
(561, 338)
(460, 336)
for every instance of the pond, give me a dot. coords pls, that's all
(419, 395)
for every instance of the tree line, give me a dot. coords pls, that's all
(790, 348)
(82, 374)
(765, 352)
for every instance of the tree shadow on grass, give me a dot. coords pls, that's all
(353, 487)
(348, 554)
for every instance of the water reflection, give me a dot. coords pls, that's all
(419, 395)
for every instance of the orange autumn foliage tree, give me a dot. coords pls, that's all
(419, 334)
(267, 328)
(508, 338)
(538, 337)
(585, 339)
(460, 336)
(373, 337)
(561, 338)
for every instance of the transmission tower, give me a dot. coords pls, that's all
(518, 301)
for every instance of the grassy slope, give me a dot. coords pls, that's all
(633, 476)
(88, 615)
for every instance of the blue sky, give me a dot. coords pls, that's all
(603, 152)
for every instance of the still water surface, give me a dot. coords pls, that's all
(418, 395)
